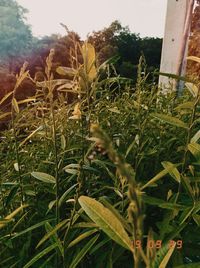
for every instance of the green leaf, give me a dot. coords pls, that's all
(117, 214)
(162, 256)
(161, 203)
(52, 232)
(159, 176)
(72, 169)
(186, 184)
(54, 237)
(196, 137)
(100, 244)
(196, 218)
(65, 194)
(106, 220)
(174, 76)
(197, 206)
(81, 237)
(185, 215)
(191, 265)
(170, 120)
(85, 225)
(185, 105)
(63, 142)
(44, 177)
(172, 170)
(166, 258)
(31, 135)
(83, 252)
(40, 255)
(30, 228)
(11, 195)
(194, 148)
(114, 110)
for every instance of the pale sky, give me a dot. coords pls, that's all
(146, 17)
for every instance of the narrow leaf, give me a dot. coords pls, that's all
(5, 97)
(40, 255)
(196, 137)
(4, 115)
(30, 229)
(83, 252)
(54, 237)
(194, 148)
(166, 259)
(190, 265)
(66, 71)
(81, 237)
(52, 232)
(15, 105)
(44, 177)
(64, 196)
(31, 135)
(194, 58)
(161, 254)
(172, 170)
(106, 220)
(192, 88)
(13, 214)
(170, 120)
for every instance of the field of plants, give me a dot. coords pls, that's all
(98, 173)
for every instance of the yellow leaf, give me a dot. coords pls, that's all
(89, 58)
(77, 112)
(167, 257)
(4, 115)
(12, 215)
(15, 105)
(107, 221)
(193, 58)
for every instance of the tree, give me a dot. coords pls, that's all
(104, 41)
(15, 34)
(118, 40)
(194, 47)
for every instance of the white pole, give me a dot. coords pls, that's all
(177, 28)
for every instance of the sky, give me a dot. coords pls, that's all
(146, 17)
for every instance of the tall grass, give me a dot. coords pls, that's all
(95, 173)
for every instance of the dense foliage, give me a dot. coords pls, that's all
(109, 178)
(118, 40)
(15, 34)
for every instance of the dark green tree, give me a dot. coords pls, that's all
(119, 40)
(104, 41)
(15, 34)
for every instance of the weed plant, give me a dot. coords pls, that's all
(95, 173)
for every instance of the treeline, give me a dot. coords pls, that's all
(17, 44)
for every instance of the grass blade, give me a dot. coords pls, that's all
(83, 252)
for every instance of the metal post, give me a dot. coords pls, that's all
(174, 50)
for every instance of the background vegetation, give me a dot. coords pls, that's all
(98, 170)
